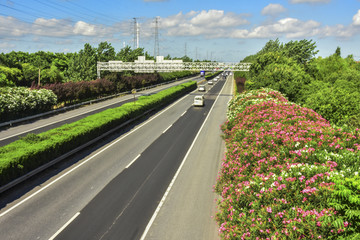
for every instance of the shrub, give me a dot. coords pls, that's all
(280, 177)
(80, 91)
(20, 102)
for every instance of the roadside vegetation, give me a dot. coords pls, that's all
(291, 168)
(72, 77)
(34, 150)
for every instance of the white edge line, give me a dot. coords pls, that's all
(64, 226)
(133, 161)
(183, 113)
(167, 128)
(87, 160)
(177, 173)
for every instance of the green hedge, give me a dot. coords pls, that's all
(168, 76)
(32, 151)
(213, 75)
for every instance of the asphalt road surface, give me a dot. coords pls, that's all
(8, 135)
(112, 190)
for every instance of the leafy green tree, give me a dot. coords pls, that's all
(13, 75)
(4, 82)
(126, 54)
(271, 46)
(52, 75)
(275, 71)
(338, 102)
(30, 73)
(301, 51)
(82, 66)
(105, 52)
(338, 52)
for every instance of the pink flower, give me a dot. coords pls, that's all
(269, 210)
(346, 224)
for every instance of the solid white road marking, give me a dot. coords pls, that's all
(133, 161)
(64, 226)
(177, 172)
(167, 128)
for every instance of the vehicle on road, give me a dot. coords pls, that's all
(202, 88)
(210, 82)
(198, 101)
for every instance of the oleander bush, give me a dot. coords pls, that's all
(32, 151)
(17, 102)
(287, 173)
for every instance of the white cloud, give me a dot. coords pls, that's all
(273, 9)
(12, 27)
(356, 18)
(211, 24)
(310, 1)
(288, 27)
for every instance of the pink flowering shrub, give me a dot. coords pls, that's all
(284, 173)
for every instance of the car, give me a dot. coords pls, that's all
(216, 79)
(210, 82)
(198, 101)
(202, 88)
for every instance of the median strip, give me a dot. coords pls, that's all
(22, 156)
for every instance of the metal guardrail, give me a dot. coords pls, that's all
(64, 109)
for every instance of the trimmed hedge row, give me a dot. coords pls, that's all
(169, 76)
(32, 151)
(213, 75)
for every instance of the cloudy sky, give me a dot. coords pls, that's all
(222, 30)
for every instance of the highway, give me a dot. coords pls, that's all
(8, 135)
(113, 190)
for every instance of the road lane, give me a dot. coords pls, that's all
(189, 208)
(57, 198)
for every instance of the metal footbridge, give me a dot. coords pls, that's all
(160, 65)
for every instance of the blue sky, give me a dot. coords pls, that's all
(226, 30)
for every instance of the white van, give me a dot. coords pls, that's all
(198, 101)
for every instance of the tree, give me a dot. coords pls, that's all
(30, 73)
(126, 54)
(105, 52)
(338, 52)
(271, 46)
(13, 75)
(82, 65)
(302, 51)
(5, 82)
(278, 72)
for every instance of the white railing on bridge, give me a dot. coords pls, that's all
(161, 65)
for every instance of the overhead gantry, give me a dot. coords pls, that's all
(141, 65)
